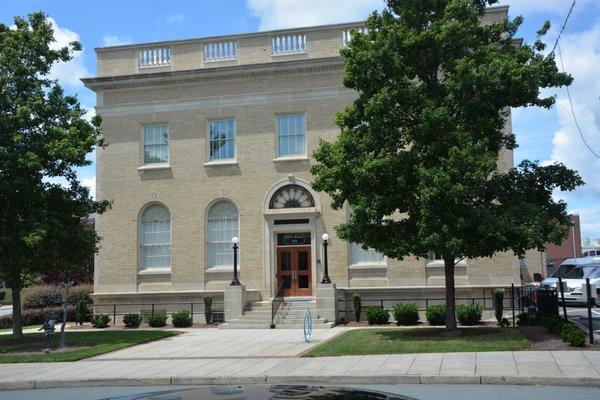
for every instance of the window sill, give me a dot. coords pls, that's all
(289, 54)
(220, 163)
(220, 269)
(154, 167)
(440, 264)
(373, 265)
(155, 271)
(290, 158)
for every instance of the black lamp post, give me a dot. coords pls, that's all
(325, 279)
(235, 281)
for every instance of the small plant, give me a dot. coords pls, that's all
(81, 311)
(504, 323)
(132, 320)
(377, 316)
(208, 308)
(357, 306)
(157, 320)
(182, 319)
(575, 337)
(555, 324)
(436, 315)
(406, 314)
(498, 304)
(469, 314)
(100, 321)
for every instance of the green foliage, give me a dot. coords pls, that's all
(42, 296)
(406, 314)
(37, 316)
(526, 318)
(469, 314)
(377, 316)
(555, 324)
(182, 319)
(498, 304)
(503, 323)
(208, 308)
(356, 306)
(44, 137)
(572, 335)
(436, 315)
(100, 321)
(132, 320)
(157, 320)
(423, 137)
(81, 310)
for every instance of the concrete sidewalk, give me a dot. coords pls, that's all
(580, 368)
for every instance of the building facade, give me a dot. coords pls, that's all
(210, 139)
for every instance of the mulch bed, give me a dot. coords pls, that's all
(88, 326)
(546, 341)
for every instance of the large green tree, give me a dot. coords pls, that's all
(43, 136)
(418, 154)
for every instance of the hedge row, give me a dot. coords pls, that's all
(38, 316)
(44, 296)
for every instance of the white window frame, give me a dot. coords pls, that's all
(379, 263)
(278, 136)
(219, 267)
(209, 158)
(142, 264)
(143, 142)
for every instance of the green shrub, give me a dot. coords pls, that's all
(157, 320)
(356, 305)
(44, 296)
(100, 321)
(406, 314)
(38, 316)
(436, 315)
(182, 319)
(81, 311)
(80, 293)
(377, 316)
(208, 299)
(498, 304)
(132, 320)
(575, 337)
(469, 314)
(504, 323)
(528, 319)
(555, 324)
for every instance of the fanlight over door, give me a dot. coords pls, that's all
(292, 196)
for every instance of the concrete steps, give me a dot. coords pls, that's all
(289, 316)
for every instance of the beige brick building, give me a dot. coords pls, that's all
(212, 138)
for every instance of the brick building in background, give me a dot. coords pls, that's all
(569, 248)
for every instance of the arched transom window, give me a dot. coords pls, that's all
(155, 237)
(222, 227)
(292, 196)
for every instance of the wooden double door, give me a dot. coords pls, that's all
(294, 270)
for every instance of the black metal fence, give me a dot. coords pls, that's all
(147, 309)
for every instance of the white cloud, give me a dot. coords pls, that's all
(275, 14)
(67, 73)
(91, 183)
(175, 18)
(114, 40)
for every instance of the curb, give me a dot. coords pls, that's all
(323, 380)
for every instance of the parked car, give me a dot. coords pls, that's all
(573, 282)
(565, 268)
(592, 253)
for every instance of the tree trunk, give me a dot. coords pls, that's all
(450, 293)
(16, 303)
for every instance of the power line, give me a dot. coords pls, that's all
(562, 67)
(562, 29)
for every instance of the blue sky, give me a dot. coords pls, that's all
(543, 135)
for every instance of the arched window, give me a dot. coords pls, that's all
(292, 196)
(222, 226)
(358, 255)
(155, 238)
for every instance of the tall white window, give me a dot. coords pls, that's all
(222, 139)
(222, 227)
(156, 144)
(291, 135)
(155, 238)
(360, 256)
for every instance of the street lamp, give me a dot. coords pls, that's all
(235, 281)
(325, 279)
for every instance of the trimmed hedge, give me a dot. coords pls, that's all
(132, 320)
(182, 319)
(436, 315)
(406, 314)
(100, 321)
(377, 316)
(38, 316)
(43, 296)
(356, 306)
(469, 314)
(157, 320)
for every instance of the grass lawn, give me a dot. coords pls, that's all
(7, 297)
(403, 341)
(86, 344)
(25, 327)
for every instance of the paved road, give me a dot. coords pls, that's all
(420, 392)
(5, 310)
(580, 315)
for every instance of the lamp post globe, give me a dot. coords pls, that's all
(326, 278)
(235, 281)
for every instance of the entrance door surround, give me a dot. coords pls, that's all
(293, 264)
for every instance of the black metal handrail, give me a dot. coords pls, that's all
(276, 303)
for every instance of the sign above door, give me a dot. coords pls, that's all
(293, 239)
